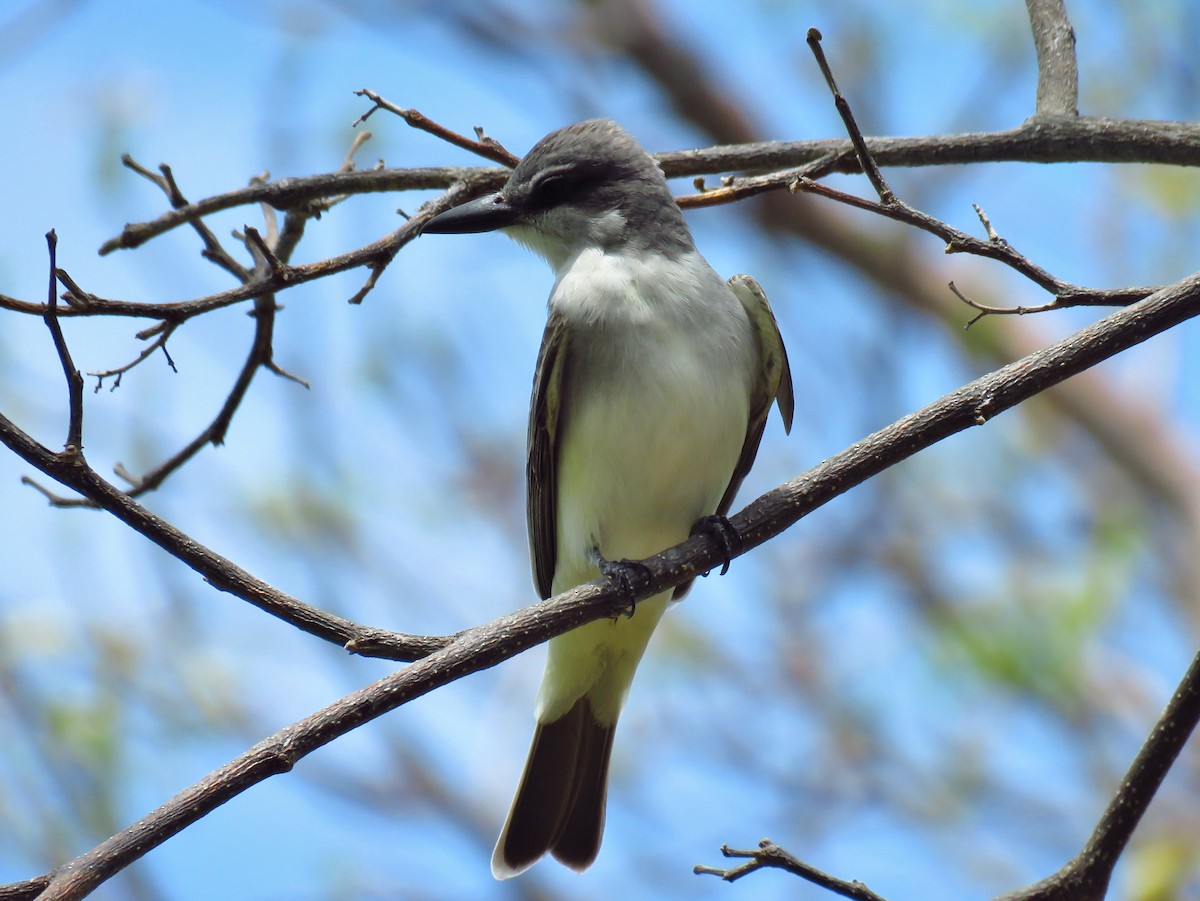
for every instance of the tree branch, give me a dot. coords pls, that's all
(488, 148)
(483, 647)
(218, 571)
(1086, 876)
(1098, 140)
(1058, 72)
(769, 855)
(74, 443)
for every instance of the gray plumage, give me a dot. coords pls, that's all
(649, 402)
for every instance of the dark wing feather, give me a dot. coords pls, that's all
(542, 466)
(773, 381)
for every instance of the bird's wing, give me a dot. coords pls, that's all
(773, 382)
(542, 466)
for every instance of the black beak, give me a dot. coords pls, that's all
(484, 214)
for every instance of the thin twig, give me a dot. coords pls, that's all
(1074, 140)
(739, 188)
(218, 571)
(213, 250)
(74, 444)
(164, 335)
(488, 148)
(275, 268)
(869, 166)
(369, 285)
(286, 193)
(891, 206)
(769, 855)
(985, 310)
(1065, 294)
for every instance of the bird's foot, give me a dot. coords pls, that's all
(721, 530)
(624, 575)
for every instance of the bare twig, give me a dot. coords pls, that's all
(1038, 141)
(267, 265)
(735, 189)
(218, 571)
(995, 247)
(1065, 294)
(769, 855)
(213, 249)
(369, 285)
(271, 273)
(164, 334)
(865, 160)
(286, 193)
(74, 444)
(488, 148)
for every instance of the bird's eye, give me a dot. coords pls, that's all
(552, 189)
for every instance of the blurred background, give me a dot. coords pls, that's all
(931, 685)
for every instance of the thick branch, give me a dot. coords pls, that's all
(483, 647)
(1058, 72)
(1035, 141)
(471, 652)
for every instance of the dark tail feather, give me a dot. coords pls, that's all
(559, 805)
(578, 840)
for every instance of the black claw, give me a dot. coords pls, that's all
(624, 574)
(721, 530)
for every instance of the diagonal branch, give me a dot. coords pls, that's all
(485, 646)
(488, 148)
(1087, 876)
(957, 241)
(218, 571)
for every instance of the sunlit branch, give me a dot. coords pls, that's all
(972, 405)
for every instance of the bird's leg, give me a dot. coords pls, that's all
(623, 574)
(721, 530)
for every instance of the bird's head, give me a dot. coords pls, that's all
(586, 185)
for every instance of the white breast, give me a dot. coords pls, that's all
(655, 407)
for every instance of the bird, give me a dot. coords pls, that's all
(650, 398)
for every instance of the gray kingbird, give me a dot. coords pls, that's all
(652, 388)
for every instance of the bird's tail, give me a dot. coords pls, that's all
(559, 807)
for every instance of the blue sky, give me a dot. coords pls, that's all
(338, 495)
